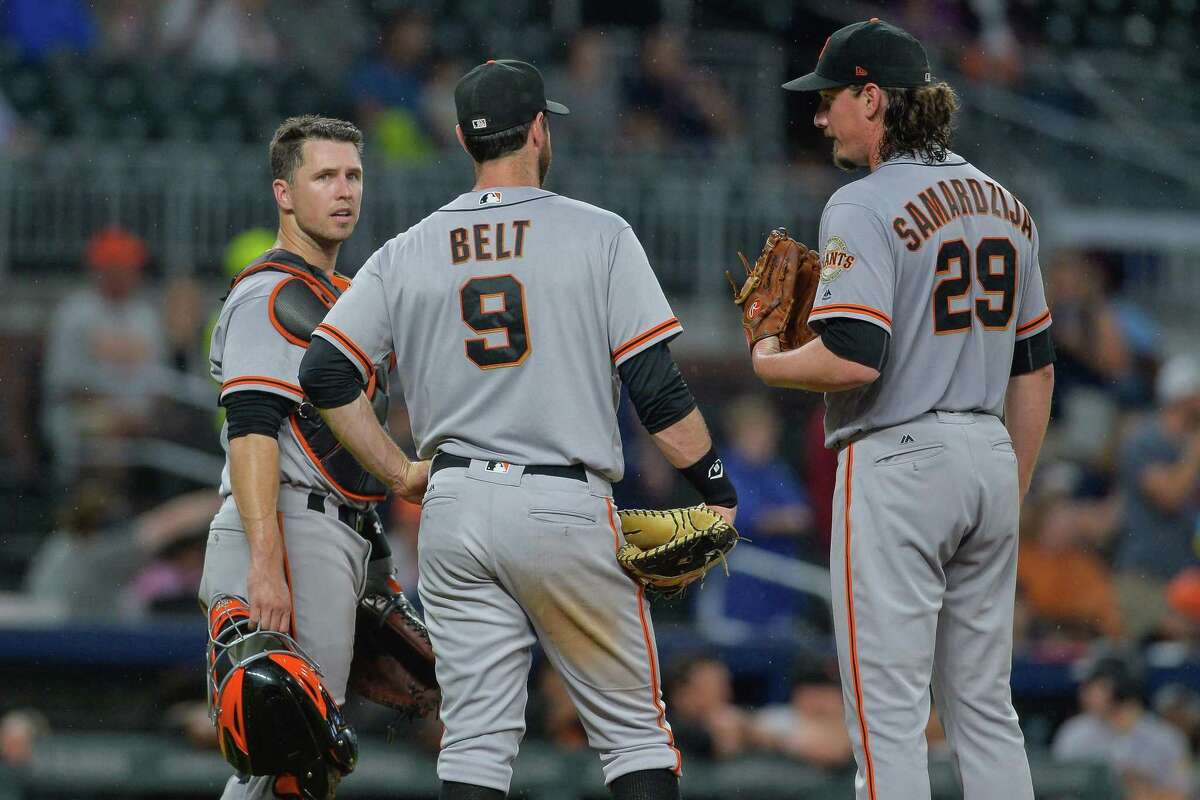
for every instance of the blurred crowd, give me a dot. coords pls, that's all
(115, 421)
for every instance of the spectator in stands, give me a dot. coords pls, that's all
(675, 104)
(811, 727)
(1091, 347)
(105, 353)
(588, 82)
(127, 29)
(706, 723)
(387, 90)
(773, 513)
(41, 28)
(1150, 757)
(19, 731)
(85, 566)
(437, 100)
(1066, 584)
(1159, 476)
(1179, 706)
(322, 36)
(220, 34)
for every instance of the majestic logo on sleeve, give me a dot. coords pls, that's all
(835, 259)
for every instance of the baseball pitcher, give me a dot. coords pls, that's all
(933, 349)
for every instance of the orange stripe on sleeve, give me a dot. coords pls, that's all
(262, 380)
(858, 695)
(1034, 323)
(350, 345)
(850, 308)
(642, 338)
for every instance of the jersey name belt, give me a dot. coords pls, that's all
(297, 306)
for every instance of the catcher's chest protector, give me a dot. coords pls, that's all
(297, 306)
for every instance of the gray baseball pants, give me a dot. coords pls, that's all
(507, 560)
(924, 566)
(326, 564)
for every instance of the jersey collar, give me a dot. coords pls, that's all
(495, 197)
(952, 160)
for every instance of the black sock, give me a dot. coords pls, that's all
(646, 784)
(466, 791)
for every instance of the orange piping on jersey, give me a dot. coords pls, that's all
(349, 344)
(850, 308)
(1035, 322)
(296, 340)
(641, 338)
(340, 281)
(316, 462)
(655, 695)
(251, 380)
(287, 575)
(858, 695)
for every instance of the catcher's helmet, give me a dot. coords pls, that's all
(273, 714)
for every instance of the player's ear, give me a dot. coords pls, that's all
(539, 130)
(283, 194)
(876, 99)
(458, 132)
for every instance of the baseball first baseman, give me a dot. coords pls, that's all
(516, 314)
(935, 357)
(292, 537)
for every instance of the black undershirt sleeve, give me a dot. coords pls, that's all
(1033, 353)
(854, 340)
(660, 395)
(328, 378)
(249, 411)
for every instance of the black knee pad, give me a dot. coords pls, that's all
(646, 784)
(467, 791)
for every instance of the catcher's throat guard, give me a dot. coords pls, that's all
(272, 712)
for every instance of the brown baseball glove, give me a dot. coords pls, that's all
(393, 659)
(777, 296)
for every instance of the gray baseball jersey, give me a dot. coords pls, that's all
(924, 540)
(946, 260)
(249, 352)
(509, 311)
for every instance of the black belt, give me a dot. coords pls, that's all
(350, 517)
(443, 460)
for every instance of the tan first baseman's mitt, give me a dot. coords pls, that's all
(778, 293)
(667, 550)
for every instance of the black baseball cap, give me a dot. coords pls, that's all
(867, 52)
(501, 94)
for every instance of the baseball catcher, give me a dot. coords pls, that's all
(665, 551)
(778, 293)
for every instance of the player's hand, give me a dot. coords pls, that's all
(724, 512)
(411, 486)
(270, 598)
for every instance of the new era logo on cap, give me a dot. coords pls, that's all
(479, 124)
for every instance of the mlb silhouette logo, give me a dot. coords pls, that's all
(498, 466)
(489, 198)
(479, 124)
